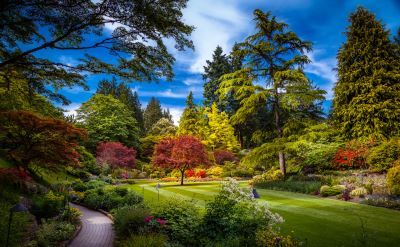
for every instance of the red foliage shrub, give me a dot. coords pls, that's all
(224, 155)
(182, 153)
(29, 137)
(352, 157)
(201, 174)
(115, 154)
(190, 173)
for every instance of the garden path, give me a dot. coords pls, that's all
(96, 229)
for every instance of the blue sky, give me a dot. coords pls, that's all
(224, 22)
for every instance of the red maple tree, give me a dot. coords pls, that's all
(28, 137)
(224, 155)
(115, 154)
(182, 153)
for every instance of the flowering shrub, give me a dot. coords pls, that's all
(197, 174)
(352, 157)
(221, 156)
(201, 174)
(235, 213)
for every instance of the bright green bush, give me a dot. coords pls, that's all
(269, 237)
(183, 219)
(360, 192)
(326, 190)
(130, 219)
(393, 180)
(94, 184)
(149, 240)
(272, 175)
(48, 205)
(111, 198)
(382, 157)
(52, 233)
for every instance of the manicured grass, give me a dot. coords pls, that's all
(320, 221)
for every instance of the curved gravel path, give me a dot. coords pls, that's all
(97, 230)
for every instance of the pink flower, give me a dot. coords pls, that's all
(161, 221)
(148, 219)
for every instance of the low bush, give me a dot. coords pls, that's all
(130, 219)
(222, 156)
(52, 233)
(299, 184)
(382, 157)
(393, 180)
(326, 190)
(385, 202)
(47, 206)
(78, 172)
(80, 186)
(108, 199)
(360, 192)
(269, 237)
(148, 240)
(182, 218)
(215, 171)
(272, 175)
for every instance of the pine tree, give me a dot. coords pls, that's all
(152, 113)
(221, 133)
(367, 93)
(190, 119)
(275, 56)
(219, 66)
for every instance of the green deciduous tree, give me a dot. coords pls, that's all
(108, 119)
(137, 42)
(124, 94)
(367, 93)
(273, 56)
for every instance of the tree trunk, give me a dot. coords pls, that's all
(282, 163)
(182, 172)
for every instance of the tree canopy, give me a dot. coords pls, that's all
(136, 41)
(115, 155)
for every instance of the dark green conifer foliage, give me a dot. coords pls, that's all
(152, 113)
(367, 99)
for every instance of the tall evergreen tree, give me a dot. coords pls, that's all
(124, 94)
(189, 122)
(152, 113)
(219, 66)
(367, 93)
(275, 56)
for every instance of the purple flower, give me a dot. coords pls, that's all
(148, 219)
(161, 221)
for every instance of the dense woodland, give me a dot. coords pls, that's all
(261, 119)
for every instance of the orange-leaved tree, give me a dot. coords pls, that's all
(182, 153)
(28, 137)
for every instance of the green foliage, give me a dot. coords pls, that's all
(153, 113)
(271, 238)
(234, 213)
(163, 127)
(47, 206)
(183, 219)
(297, 184)
(360, 192)
(144, 240)
(66, 26)
(110, 198)
(190, 122)
(366, 96)
(76, 172)
(383, 156)
(270, 176)
(107, 119)
(220, 133)
(124, 94)
(52, 232)
(86, 159)
(326, 190)
(130, 219)
(393, 180)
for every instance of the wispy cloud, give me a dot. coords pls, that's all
(192, 81)
(71, 109)
(175, 111)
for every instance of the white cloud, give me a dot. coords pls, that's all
(71, 109)
(323, 68)
(192, 81)
(176, 94)
(68, 60)
(217, 23)
(175, 111)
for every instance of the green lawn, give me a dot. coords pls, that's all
(323, 222)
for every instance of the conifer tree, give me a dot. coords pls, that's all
(275, 57)
(152, 113)
(190, 119)
(221, 134)
(367, 93)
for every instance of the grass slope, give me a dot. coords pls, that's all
(319, 221)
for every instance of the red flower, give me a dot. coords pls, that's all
(148, 219)
(161, 221)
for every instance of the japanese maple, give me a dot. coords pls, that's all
(182, 153)
(224, 155)
(115, 154)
